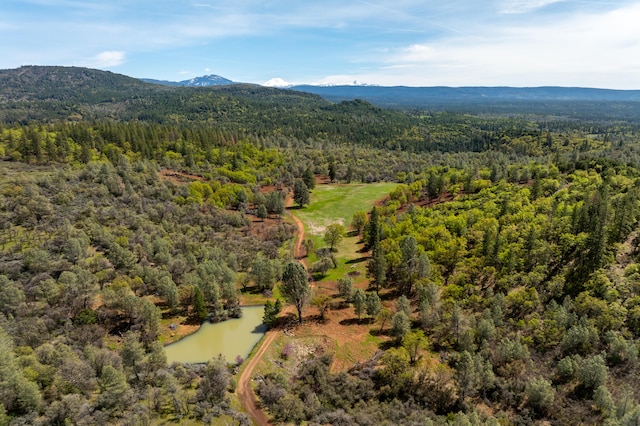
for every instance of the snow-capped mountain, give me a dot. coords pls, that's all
(207, 80)
(203, 81)
(280, 83)
(277, 82)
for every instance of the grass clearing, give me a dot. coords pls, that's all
(337, 204)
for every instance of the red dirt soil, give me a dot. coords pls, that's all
(176, 176)
(244, 389)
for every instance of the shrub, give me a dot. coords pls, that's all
(540, 394)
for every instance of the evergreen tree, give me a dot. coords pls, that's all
(309, 179)
(359, 302)
(271, 311)
(300, 193)
(400, 325)
(295, 286)
(414, 265)
(199, 307)
(262, 212)
(403, 304)
(466, 375)
(372, 235)
(377, 267)
(345, 288)
(332, 171)
(374, 304)
(113, 389)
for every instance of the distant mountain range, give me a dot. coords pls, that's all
(429, 97)
(54, 92)
(421, 97)
(203, 81)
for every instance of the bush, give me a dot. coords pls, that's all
(592, 372)
(567, 368)
(579, 339)
(400, 324)
(604, 401)
(540, 394)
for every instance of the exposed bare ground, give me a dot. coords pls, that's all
(297, 249)
(179, 177)
(244, 389)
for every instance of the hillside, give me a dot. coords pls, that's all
(44, 83)
(40, 93)
(498, 283)
(34, 94)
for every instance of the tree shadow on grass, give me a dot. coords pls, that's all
(192, 320)
(167, 313)
(387, 344)
(253, 289)
(358, 260)
(376, 332)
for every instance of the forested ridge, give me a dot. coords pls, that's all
(505, 263)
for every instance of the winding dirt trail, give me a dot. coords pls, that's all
(243, 389)
(297, 249)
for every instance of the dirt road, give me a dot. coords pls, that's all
(297, 249)
(243, 389)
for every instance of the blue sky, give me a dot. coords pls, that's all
(387, 42)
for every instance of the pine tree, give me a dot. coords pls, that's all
(373, 303)
(332, 171)
(295, 286)
(377, 267)
(309, 178)
(300, 193)
(359, 302)
(372, 235)
(199, 307)
(271, 311)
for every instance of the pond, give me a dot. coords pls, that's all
(230, 338)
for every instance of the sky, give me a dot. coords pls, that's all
(522, 43)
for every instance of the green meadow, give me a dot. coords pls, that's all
(337, 204)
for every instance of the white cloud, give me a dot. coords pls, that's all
(581, 51)
(390, 42)
(108, 59)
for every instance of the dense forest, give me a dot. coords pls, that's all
(506, 259)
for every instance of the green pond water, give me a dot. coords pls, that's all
(230, 338)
